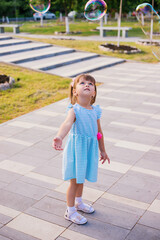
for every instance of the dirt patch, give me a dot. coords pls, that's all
(121, 49)
(64, 33)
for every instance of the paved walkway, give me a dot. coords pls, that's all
(74, 37)
(127, 195)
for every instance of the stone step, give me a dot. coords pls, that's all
(58, 61)
(85, 66)
(22, 48)
(36, 54)
(2, 37)
(10, 42)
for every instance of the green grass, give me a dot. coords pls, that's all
(33, 91)
(36, 89)
(86, 28)
(146, 54)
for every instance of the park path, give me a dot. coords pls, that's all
(126, 196)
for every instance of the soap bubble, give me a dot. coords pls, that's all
(40, 6)
(95, 9)
(150, 24)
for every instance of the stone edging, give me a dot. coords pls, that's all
(136, 50)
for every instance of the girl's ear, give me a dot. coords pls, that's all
(74, 92)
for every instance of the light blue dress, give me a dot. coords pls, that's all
(80, 156)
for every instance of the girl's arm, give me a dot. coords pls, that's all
(103, 153)
(64, 129)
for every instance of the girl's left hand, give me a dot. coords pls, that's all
(104, 157)
(57, 143)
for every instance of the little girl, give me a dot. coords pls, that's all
(80, 157)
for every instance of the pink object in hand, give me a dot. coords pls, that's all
(99, 135)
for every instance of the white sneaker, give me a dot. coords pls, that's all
(86, 208)
(75, 217)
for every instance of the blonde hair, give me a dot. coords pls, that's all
(86, 77)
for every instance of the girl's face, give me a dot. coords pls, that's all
(85, 88)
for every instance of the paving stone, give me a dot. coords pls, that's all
(4, 219)
(8, 131)
(114, 216)
(27, 190)
(142, 138)
(51, 205)
(36, 227)
(15, 201)
(4, 238)
(56, 161)
(141, 181)
(72, 235)
(93, 228)
(2, 185)
(151, 219)
(104, 182)
(3, 157)
(125, 155)
(141, 232)
(61, 238)
(121, 206)
(150, 161)
(35, 152)
(27, 159)
(49, 217)
(15, 167)
(49, 171)
(57, 195)
(41, 181)
(13, 234)
(89, 194)
(135, 193)
(8, 177)
(33, 135)
(10, 149)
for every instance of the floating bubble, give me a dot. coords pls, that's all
(95, 9)
(150, 24)
(40, 6)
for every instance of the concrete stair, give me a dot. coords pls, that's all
(59, 61)
(52, 59)
(22, 48)
(31, 55)
(85, 66)
(10, 42)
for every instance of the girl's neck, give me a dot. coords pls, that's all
(86, 103)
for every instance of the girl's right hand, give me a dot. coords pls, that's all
(57, 143)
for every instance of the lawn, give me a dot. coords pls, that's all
(34, 89)
(84, 28)
(31, 91)
(88, 46)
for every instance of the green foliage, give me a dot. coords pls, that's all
(10, 8)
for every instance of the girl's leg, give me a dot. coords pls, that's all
(71, 213)
(79, 203)
(71, 193)
(79, 190)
